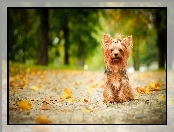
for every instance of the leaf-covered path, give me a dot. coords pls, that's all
(75, 97)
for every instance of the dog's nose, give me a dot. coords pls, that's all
(116, 54)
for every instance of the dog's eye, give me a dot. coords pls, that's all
(112, 50)
(120, 50)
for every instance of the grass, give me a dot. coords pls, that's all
(16, 68)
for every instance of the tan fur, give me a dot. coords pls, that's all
(116, 53)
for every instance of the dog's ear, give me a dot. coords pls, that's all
(107, 39)
(127, 42)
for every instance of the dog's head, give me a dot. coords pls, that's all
(116, 51)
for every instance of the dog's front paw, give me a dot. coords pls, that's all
(121, 98)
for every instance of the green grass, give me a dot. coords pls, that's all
(16, 68)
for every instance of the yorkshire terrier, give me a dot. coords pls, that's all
(116, 53)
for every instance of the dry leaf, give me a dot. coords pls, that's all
(63, 110)
(140, 90)
(90, 89)
(71, 100)
(85, 100)
(67, 93)
(53, 89)
(84, 109)
(42, 119)
(150, 88)
(35, 88)
(152, 85)
(24, 105)
(45, 106)
(162, 98)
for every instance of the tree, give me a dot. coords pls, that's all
(44, 24)
(79, 27)
(23, 27)
(160, 25)
(84, 26)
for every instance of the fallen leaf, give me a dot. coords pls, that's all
(84, 109)
(152, 85)
(91, 87)
(63, 110)
(150, 88)
(71, 100)
(45, 106)
(42, 119)
(53, 89)
(35, 88)
(67, 93)
(140, 90)
(162, 98)
(24, 105)
(85, 100)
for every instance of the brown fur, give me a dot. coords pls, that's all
(116, 53)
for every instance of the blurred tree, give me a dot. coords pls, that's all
(79, 28)
(44, 25)
(22, 29)
(148, 56)
(85, 27)
(160, 22)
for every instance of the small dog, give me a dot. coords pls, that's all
(116, 53)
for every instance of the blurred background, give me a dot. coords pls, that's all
(72, 38)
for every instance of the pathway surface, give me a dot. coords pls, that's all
(45, 91)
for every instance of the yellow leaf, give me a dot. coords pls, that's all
(162, 98)
(42, 119)
(147, 89)
(35, 88)
(71, 100)
(67, 93)
(86, 110)
(28, 70)
(24, 105)
(25, 80)
(90, 89)
(152, 85)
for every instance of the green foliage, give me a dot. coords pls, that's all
(23, 34)
(83, 25)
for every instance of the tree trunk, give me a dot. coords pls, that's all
(66, 46)
(160, 24)
(43, 58)
(161, 50)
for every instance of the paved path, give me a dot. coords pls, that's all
(87, 106)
